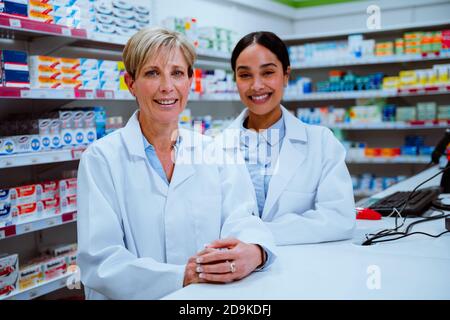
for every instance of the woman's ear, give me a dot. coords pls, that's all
(287, 75)
(130, 82)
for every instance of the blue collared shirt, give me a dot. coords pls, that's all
(153, 159)
(261, 152)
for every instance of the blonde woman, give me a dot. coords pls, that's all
(145, 216)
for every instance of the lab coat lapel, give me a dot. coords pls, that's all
(184, 166)
(292, 155)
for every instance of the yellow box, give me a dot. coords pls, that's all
(408, 78)
(30, 276)
(391, 83)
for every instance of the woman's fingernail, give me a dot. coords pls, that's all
(199, 269)
(199, 260)
(201, 275)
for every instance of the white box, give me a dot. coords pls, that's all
(68, 204)
(67, 187)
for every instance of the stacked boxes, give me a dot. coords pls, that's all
(15, 7)
(436, 76)
(68, 13)
(109, 75)
(14, 69)
(213, 81)
(217, 39)
(119, 17)
(9, 274)
(40, 10)
(36, 201)
(70, 73)
(68, 195)
(89, 74)
(213, 38)
(45, 72)
(66, 73)
(77, 127)
(55, 130)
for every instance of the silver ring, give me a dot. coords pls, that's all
(232, 267)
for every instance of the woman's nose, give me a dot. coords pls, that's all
(166, 84)
(257, 84)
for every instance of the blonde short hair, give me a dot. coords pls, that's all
(151, 41)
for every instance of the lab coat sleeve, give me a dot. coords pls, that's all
(106, 265)
(238, 207)
(333, 217)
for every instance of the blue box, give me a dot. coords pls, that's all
(14, 56)
(16, 7)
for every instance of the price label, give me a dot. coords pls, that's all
(15, 23)
(66, 32)
(25, 93)
(109, 95)
(69, 94)
(2, 234)
(52, 222)
(27, 227)
(89, 95)
(33, 294)
(76, 153)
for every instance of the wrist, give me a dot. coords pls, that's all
(262, 255)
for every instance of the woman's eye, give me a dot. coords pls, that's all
(178, 73)
(244, 75)
(151, 73)
(268, 73)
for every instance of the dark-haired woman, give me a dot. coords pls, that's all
(302, 186)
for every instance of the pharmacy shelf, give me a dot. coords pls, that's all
(315, 37)
(43, 157)
(391, 93)
(396, 160)
(370, 60)
(121, 95)
(36, 225)
(28, 27)
(40, 289)
(393, 125)
(211, 97)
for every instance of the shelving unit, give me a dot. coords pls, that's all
(36, 225)
(41, 289)
(49, 39)
(379, 133)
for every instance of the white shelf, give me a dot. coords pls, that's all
(369, 60)
(39, 290)
(318, 96)
(35, 158)
(390, 126)
(214, 97)
(399, 160)
(369, 32)
(36, 225)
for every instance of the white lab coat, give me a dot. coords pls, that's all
(136, 234)
(310, 197)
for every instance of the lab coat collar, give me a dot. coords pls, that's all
(134, 143)
(295, 129)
